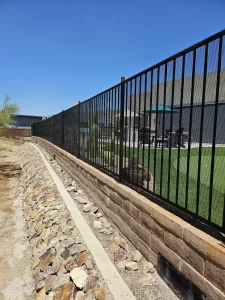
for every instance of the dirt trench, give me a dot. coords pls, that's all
(15, 252)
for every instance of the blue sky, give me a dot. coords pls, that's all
(56, 52)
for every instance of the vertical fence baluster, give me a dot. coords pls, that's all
(78, 130)
(125, 135)
(134, 133)
(201, 129)
(150, 127)
(129, 154)
(190, 127)
(215, 131)
(163, 129)
(156, 129)
(171, 128)
(121, 127)
(180, 124)
(62, 130)
(138, 131)
(144, 130)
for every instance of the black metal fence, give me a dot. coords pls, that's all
(162, 130)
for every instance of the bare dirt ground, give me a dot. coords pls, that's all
(15, 253)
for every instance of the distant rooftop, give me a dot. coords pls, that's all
(28, 116)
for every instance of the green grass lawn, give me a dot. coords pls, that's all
(170, 189)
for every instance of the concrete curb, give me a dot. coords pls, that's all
(111, 276)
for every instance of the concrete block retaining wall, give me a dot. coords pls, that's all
(149, 227)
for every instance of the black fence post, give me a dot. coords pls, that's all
(62, 129)
(223, 223)
(78, 130)
(122, 86)
(32, 129)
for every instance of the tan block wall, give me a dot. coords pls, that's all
(149, 227)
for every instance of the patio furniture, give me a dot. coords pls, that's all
(146, 136)
(161, 140)
(160, 111)
(143, 136)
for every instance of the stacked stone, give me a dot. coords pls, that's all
(62, 266)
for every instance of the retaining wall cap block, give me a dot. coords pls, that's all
(203, 243)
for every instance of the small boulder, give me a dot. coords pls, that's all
(79, 277)
(80, 295)
(66, 253)
(100, 294)
(121, 242)
(82, 200)
(67, 291)
(73, 249)
(89, 264)
(81, 258)
(71, 189)
(97, 225)
(131, 266)
(94, 209)
(98, 215)
(91, 283)
(78, 240)
(87, 207)
(50, 283)
(70, 263)
(148, 267)
(137, 256)
(120, 254)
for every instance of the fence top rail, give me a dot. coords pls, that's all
(173, 57)
(185, 51)
(105, 91)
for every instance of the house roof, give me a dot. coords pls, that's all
(27, 116)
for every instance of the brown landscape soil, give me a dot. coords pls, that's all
(15, 253)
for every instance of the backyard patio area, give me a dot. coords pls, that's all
(170, 172)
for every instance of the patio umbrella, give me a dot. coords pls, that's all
(160, 109)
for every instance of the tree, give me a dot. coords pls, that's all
(7, 110)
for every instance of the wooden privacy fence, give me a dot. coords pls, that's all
(15, 132)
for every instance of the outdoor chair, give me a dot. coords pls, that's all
(162, 140)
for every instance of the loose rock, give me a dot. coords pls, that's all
(82, 200)
(71, 189)
(131, 266)
(80, 295)
(79, 277)
(100, 294)
(99, 215)
(89, 264)
(66, 292)
(70, 263)
(50, 283)
(148, 267)
(81, 258)
(91, 283)
(137, 256)
(94, 209)
(41, 295)
(78, 240)
(120, 254)
(73, 250)
(97, 225)
(87, 207)
(121, 242)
